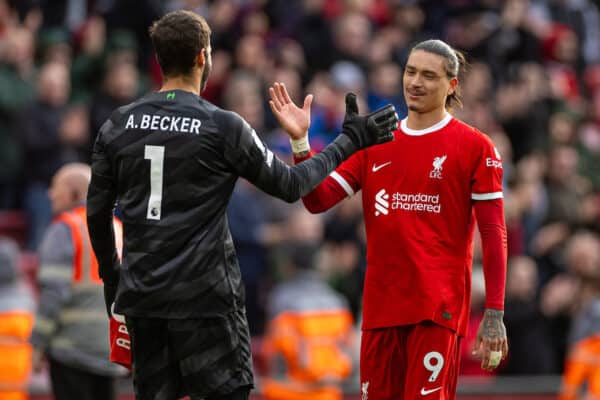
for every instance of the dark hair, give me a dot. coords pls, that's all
(455, 64)
(177, 38)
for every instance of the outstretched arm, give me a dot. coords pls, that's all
(250, 158)
(295, 122)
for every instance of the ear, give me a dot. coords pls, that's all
(201, 57)
(453, 85)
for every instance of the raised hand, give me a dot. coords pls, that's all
(293, 119)
(374, 128)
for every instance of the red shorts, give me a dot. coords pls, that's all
(409, 362)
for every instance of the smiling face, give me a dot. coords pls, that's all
(426, 82)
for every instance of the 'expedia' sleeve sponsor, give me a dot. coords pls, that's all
(486, 179)
(250, 158)
(100, 204)
(341, 183)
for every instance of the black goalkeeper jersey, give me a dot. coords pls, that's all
(170, 161)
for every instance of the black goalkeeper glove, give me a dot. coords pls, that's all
(110, 293)
(367, 130)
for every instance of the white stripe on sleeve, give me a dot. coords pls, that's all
(487, 196)
(343, 183)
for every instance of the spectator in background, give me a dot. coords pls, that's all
(310, 335)
(243, 95)
(120, 86)
(54, 45)
(573, 293)
(351, 36)
(528, 331)
(512, 41)
(43, 145)
(251, 55)
(580, 15)
(16, 91)
(314, 33)
(522, 107)
(343, 252)
(17, 307)
(566, 188)
(560, 53)
(385, 84)
(71, 328)
(87, 63)
(582, 371)
(248, 221)
(328, 113)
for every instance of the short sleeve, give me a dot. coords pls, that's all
(349, 174)
(486, 182)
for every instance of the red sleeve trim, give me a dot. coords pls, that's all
(327, 194)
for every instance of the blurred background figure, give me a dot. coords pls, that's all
(581, 377)
(17, 307)
(309, 340)
(71, 324)
(528, 330)
(43, 145)
(17, 76)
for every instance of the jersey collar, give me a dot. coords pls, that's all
(421, 132)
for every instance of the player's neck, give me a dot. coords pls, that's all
(418, 121)
(181, 82)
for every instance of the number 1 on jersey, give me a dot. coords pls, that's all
(156, 155)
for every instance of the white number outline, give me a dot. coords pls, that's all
(156, 155)
(433, 368)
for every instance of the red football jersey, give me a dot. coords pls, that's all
(417, 194)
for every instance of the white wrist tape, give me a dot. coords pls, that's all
(495, 358)
(300, 145)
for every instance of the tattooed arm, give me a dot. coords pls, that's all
(491, 336)
(491, 344)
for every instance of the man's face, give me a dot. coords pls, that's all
(426, 84)
(61, 194)
(207, 67)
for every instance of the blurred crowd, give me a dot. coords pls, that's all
(533, 86)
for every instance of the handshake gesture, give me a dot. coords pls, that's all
(362, 130)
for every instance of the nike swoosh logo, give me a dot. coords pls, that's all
(425, 392)
(378, 167)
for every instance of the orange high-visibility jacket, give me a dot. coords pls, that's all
(313, 345)
(78, 335)
(15, 350)
(85, 265)
(582, 367)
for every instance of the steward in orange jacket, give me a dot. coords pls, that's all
(309, 341)
(71, 327)
(16, 320)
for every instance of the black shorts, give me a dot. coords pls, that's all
(201, 358)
